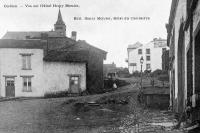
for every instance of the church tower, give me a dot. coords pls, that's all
(60, 26)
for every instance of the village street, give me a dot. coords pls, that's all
(115, 112)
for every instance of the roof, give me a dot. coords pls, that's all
(83, 45)
(66, 56)
(12, 43)
(22, 35)
(134, 46)
(78, 52)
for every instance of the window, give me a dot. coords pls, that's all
(139, 51)
(74, 80)
(26, 61)
(148, 66)
(148, 58)
(148, 51)
(133, 64)
(27, 84)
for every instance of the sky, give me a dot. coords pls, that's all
(111, 35)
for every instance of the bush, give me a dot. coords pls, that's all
(156, 72)
(136, 74)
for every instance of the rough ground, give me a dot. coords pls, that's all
(116, 112)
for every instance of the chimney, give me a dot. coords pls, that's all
(73, 35)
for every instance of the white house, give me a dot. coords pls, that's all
(24, 72)
(151, 53)
(62, 50)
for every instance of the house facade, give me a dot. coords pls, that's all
(183, 39)
(24, 73)
(53, 62)
(151, 53)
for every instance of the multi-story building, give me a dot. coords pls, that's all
(151, 53)
(35, 63)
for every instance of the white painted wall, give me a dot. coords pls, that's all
(58, 75)
(155, 55)
(180, 16)
(11, 64)
(47, 76)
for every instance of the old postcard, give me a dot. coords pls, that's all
(99, 66)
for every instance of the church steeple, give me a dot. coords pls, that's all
(60, 26)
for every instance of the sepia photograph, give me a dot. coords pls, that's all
(99, 66)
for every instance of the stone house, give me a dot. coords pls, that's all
(53, 62)
(183, 40)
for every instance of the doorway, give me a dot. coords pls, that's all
(74, 84)
(10, 86)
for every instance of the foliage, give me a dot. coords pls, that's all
(136, 74)
(123, 72)
(163, 77)
(156, 72)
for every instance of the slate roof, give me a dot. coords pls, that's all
(83, 45)
(21, 35)
(12, 43)
(69, 50)
(78, 52)
(66, 56)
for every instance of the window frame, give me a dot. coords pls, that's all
(148, 59)
(26, 80)
(139, 51)
(26, 61)
(148, 51)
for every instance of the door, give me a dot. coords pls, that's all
(74, 84)
(10, 87)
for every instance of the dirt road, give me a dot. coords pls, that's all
(116, 112)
